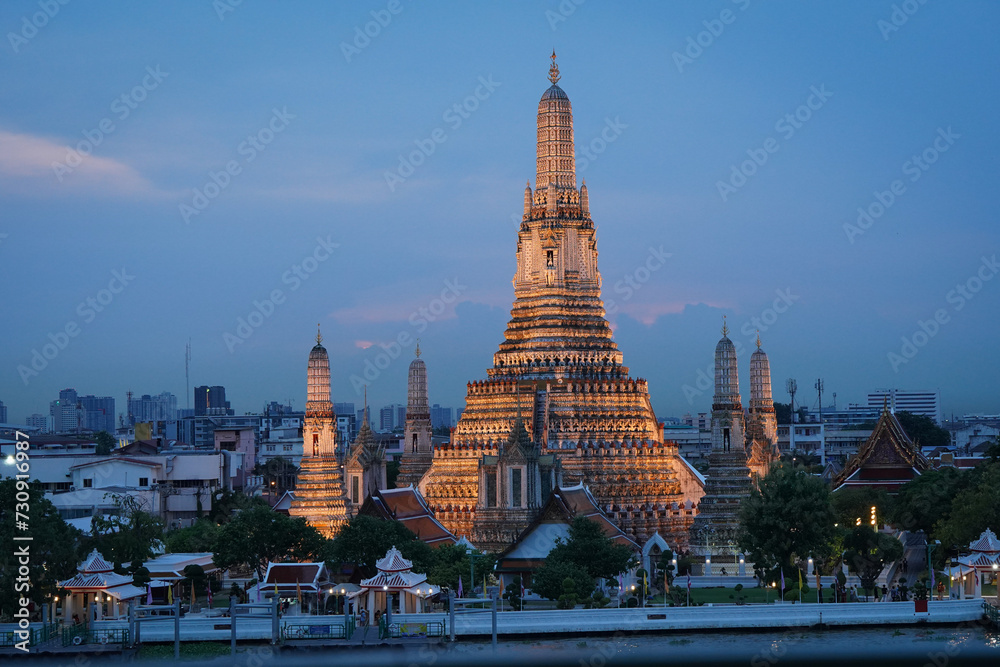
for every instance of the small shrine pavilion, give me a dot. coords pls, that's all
(395, 584)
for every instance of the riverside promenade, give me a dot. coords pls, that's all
(745, 617)
(477, 624)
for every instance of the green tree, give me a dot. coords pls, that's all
(512, 594)
(449, 562)
(53, 552)
(973, 510)
(365, 539)
(131, 535)
(391, 473)
(198, 537)
(855, 502)
(104, 443)
(588, 547)
(927, 499)
(868, 551)
(226, 504)
(923, 430)
(257, 536)
(788, 517)
(549, 580)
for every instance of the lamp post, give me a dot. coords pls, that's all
(930, 565)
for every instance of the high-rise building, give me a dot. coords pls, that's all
(347, 421)
(98, 413)
(3, 413)
(389, 417)
(441, 417)
(559, 372)
(72, 413)
(211, 401)
(918, 402)
(64, 413)
(162, 407)
(41, 422)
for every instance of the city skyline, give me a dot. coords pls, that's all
(394, 218)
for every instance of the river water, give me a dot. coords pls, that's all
(936, 646)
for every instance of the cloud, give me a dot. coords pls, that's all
(41, 167)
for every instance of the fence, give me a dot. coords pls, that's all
(36, 635)
(82, 634)
(318, 630)
(410, 629)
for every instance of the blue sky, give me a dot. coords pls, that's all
(308, 119)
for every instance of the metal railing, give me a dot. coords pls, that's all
(411, 629)
(317, 630)
(81, 634)
(992, 612)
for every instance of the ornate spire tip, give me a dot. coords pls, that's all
(417, 351)
(758, 339)
(319, 336)
(725, 327)
(554, 70)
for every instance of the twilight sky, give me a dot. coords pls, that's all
(167, 169)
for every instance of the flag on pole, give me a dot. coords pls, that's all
(209, 587)
(500, 592)
(689, 581)
(170, 594)
(149, 594)
(460, 586)
(782, 583)
(666, 584)
(800, 580)
(522, 586)
(298, 593)
(932, 582)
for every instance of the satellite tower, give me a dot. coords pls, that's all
(791, 386)
(187, 373)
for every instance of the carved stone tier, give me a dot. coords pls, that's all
(320, 497)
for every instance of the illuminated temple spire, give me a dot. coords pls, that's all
(559, 374)
(319, 486)
(555, 160)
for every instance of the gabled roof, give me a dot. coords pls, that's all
(552, 523)
(310, 575)
(171, 566)
(407, 506)
(888, 458)
(117, 459)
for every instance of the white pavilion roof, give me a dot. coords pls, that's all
(987, 543)
(393, 561)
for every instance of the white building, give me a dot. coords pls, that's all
(175, 485)
(918, 402)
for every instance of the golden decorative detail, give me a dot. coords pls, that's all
(725, 327)
(554, 69)
(319, 336)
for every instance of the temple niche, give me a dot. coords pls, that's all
(560, 368)
(513, 487)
